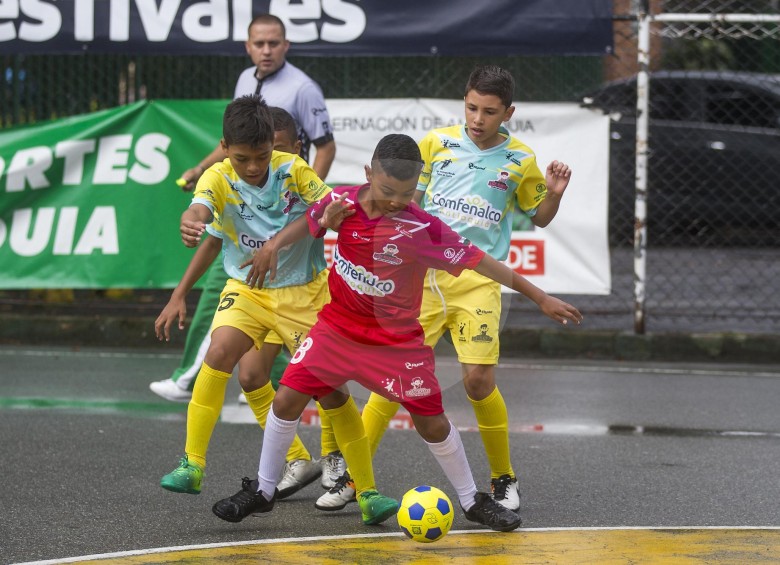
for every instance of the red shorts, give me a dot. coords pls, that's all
(403, 373)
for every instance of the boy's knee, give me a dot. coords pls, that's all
(335, 399)
(433, 429)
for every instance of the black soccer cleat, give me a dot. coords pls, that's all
(244, 503)
(490, 513)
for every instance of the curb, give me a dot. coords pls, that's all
(113, 331)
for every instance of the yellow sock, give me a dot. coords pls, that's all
(352, 440)
(493, 423)
(208, 396)
(260, 402)
(328, 441)
(377, 414)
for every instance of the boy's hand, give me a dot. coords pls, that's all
(557, 178)
(336, 212)
(263, 261)
(191, 177)
(191, 232)
(175, 309)
(559, 310)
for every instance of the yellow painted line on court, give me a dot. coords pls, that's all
(602, 546)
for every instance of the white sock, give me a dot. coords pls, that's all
(277, 438)
(452, 459)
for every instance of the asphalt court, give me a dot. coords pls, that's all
(618, 463)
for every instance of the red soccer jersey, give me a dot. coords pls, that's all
(379, 265)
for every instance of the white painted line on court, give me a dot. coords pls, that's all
(154, 550)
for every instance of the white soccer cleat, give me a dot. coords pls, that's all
(506, 492)
(169, 390)
(297, 474)
(342, 493)
(333, 466)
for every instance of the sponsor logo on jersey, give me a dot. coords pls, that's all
(501, 182)
(242, 212)
(250, 242)
(402, 230)
(282, 175)
(473, 210)
(417, 390)
(410, 365)
(356, 235)
(511, 157)
(291, 200)
(453, 255)
(388, 254)
(449, 144)
(481, 312)
(360, 279)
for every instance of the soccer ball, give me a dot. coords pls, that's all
(425, 514)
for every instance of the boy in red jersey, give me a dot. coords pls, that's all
(385, 246)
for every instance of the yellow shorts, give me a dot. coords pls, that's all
(273, 339)
(469, 306)
(289, 312)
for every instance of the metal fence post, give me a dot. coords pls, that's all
(640, 204)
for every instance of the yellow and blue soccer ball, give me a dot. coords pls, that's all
(425, 514)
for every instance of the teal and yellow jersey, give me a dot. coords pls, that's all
(252, 215)
(475, 191)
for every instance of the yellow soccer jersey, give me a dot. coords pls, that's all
(474, 191)
(252, 215)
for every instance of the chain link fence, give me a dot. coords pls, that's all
(713, 150)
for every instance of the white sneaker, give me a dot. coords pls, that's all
(506, 492)
(333, 466)
(297, 474)
(342, 493)
(169, 390)
(242, 398)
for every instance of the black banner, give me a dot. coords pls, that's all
(314, 27)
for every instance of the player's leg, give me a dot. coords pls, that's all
(239, 315)
(254, 376)
(259, 495)
(351, 437)
(378, 411)
(228, 345)
(475, 306)
(297, 308)
(331, 459)
(444, 442)
(178, 387)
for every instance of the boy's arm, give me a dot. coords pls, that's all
(557, 179)
(193, 223)
(552, 307)
(177, 306)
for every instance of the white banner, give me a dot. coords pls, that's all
(571, 255)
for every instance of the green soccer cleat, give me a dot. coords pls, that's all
(185, 478)
(376, 508)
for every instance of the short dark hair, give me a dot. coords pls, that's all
(268, 19)
(492, 79)
(283, 121)
(398, 156)
(247, 120)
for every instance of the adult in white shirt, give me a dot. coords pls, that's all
(281, 84)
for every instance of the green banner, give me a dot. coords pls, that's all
(91, 201)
